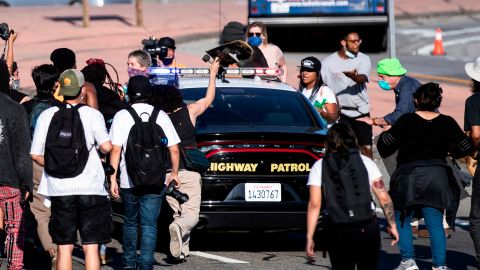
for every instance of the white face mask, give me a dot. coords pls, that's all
(349, 54)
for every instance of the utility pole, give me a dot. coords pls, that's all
(139, 12)
(391, 29)
(86, 16)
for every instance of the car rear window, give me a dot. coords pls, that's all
(252, 106)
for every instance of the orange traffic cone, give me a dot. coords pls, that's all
(438, 43)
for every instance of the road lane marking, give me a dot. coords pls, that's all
(427, 49)
(431, 32)
(215, 257)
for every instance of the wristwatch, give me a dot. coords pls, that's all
(373, 121)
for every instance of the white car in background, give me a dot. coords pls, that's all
(97, 3)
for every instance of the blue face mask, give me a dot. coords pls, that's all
(384, 85)
(255, 41)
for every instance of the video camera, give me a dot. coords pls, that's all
(5, 31)
(152, 46)
(175, 193)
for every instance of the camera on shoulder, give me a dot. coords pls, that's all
(152, 46)
(5, 31)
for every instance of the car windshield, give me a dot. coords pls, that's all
(252, 106)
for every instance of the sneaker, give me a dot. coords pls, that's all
(409, 264)
(175, 240)
(440, 268)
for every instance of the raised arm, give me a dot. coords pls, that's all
(10, 58)
(200, 106)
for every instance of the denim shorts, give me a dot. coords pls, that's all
(91, 215)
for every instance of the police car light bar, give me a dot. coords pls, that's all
(162, 71)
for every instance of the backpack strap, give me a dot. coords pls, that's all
(154, 116)
(134, 114)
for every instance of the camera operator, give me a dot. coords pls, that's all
(162, 51)
(9, 35)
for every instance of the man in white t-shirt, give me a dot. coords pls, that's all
(141, 208)
(319, 94)
(346, 72)
(79, 203)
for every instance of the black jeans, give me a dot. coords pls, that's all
(354, 244)
(475, 215)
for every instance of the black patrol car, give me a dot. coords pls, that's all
(262, 138)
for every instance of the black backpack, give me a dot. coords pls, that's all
(346, 188)
(66, 152)
(146, 151)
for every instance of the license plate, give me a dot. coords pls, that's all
(263, 192)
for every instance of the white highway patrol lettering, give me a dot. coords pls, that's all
(233, 167)
(290, 167)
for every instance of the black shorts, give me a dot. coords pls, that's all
(91, 215)
(362, 130)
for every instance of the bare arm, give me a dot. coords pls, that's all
(174, 156)
(114, 161)
(386, 203)
(200, 106)
(314, 205)
(10, 58)
(330, 113)
(106, 147)
(358, 78)
(39, 159)
(91, 95)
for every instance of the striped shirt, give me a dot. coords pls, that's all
(91, 180)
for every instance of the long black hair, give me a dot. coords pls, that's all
(96, 72)
(167, 98)
(318, 84)
(341, 138)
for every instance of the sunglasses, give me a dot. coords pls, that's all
(254, 34)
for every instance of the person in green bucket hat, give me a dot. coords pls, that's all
(392, 76)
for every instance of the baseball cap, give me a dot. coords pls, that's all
(310, 63)
(167, 42)
(390, 67)
(63, 59)
(71, 82)
(139, 87)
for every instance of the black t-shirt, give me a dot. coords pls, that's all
(109, 103)
(420, 139)
(472, 112)
(16, 95)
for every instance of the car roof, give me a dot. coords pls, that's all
(196, 82)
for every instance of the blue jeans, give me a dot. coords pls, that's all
(144, 208)
(434, 223)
